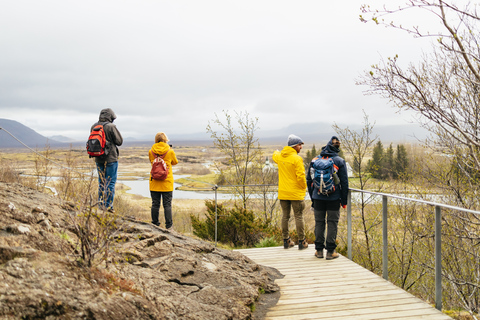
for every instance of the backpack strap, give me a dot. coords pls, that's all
(105, 132)
(161, 156)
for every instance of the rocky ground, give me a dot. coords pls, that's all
(152, 273)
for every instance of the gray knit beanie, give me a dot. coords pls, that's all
(293, 140)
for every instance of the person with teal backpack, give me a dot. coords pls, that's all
(327, 183)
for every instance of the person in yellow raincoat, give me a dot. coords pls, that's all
(162, 188)
(292, 188)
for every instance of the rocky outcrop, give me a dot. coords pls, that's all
(153, 273)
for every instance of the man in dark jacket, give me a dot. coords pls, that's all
(327, 206)
(107, 165)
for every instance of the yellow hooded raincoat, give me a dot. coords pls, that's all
(170, 159)
(292, 184)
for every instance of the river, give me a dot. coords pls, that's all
(141, 187)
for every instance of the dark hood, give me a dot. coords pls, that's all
(107, 115)
(329, 150)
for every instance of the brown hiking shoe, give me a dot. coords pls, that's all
(288, 243)
(332, 255)
(319, 254)
(302, 244)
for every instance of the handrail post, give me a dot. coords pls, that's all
(385, 237)
(349, 224)
(438, 258)
(215, 188)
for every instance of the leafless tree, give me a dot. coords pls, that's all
(241, 147)
(443, 89)
(358, 144)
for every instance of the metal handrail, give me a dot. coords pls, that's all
(416, 200)
(438, 234)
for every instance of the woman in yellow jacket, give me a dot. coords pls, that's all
(162, 188)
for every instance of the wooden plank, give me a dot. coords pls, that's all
(361, 304)
(348, 296)
(338, 289)
(348, 301)
(399, 312)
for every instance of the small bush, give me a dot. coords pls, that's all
(7, 172)
(309, 235)
(268, 242)
(236, 225)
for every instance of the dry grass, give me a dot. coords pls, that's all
(181, 210)
(134, 163)
(8, 173)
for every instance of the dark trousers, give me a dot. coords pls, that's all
(327, 214)
(167, 207)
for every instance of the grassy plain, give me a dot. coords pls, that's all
(198, 162)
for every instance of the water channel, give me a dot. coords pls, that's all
(141, 187)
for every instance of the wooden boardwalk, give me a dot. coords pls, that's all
(335, 289)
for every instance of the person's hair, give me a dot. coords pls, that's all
(161, 137)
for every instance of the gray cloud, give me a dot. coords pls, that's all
(172, 65)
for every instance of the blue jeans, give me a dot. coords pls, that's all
(167, 207)
(107, 177)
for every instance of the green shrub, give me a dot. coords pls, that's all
(268, 242)
(236, 225)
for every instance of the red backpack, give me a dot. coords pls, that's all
(97, 141)
(159, 167)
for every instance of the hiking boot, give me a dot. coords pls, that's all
(319, 254)
(288, 243)
(302, 244)
(332, 255)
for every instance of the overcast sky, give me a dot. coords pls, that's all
(171, 65)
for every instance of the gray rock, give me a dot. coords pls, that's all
(18, 229)
(152, 273)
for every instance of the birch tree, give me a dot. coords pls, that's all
(235, 138)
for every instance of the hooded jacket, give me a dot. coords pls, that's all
(340, 193)
(170, 159)
(112, 135)
(291, 174)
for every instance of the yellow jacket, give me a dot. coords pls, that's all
(292, 184)
(170, 159)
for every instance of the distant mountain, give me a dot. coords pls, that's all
(311, 133)
(25, 135)
(315, 133)
(60, 138)
(322, 132)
